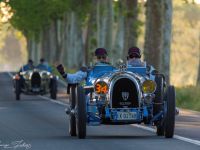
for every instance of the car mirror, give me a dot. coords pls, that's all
(154, 72)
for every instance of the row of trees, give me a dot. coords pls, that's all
(68, 31)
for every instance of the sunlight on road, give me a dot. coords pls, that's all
(9, 68)
(189, 113)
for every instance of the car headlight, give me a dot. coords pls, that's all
(25, 75)
(16, 77)
(101, 87)
(148, 86)
(45, 74)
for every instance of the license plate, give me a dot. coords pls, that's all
(126, 115)
(35, 89)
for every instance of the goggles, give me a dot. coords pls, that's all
(101, 57)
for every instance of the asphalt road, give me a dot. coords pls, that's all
(37, 123)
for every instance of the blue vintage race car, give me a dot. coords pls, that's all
(123, 95)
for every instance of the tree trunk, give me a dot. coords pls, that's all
(59, 37)
(67, 19)
(70, 52)
(28, 41)
(154, 32)
(53, 43)
(45, 43)
(75, 51)
(119, 38)
(90, 42)
(109, 25)
(101, 22)
(167, 33)
(198, 75)
(63, 40)
(131, 25)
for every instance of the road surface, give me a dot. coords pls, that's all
(38, 123)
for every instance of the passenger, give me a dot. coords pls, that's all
(134, 57)
(28, 66)
(101, 58)
(44, 65)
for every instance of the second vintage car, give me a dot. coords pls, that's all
(35, 82)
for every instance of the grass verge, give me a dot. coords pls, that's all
(188, 97)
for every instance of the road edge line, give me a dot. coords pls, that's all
(188, 140)
(53, 101)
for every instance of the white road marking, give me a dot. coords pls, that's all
(10, 74)
(196, 142)
(188, 140)
(144, 127)
(53, 101)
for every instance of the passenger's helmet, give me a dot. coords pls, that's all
(134, 52)
(42, 60)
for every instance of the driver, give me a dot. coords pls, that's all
(101, 59)
(28, 66)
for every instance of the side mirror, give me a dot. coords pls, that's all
(154, 72)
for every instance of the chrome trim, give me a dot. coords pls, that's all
(129, 75)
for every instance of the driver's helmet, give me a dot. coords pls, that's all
(100, 52)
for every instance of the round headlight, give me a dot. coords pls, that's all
(45, 74)
(26, 75)
(101, 87)
(148, 86)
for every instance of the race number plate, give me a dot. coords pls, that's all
(126, 115)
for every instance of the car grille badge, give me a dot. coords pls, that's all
(125, 96)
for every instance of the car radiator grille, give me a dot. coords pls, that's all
(124, 94)
(35, 80)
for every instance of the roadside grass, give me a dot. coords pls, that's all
(188, 97)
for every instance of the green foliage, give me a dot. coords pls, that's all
(81, 7)
(188, 97)
(31, 16)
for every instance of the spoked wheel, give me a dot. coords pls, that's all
(53, 88)
(72, 119)
(158, 103)
(17, 89)
(80, 112)
(169, 118)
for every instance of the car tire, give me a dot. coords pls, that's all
(158, 103)
(169, 119)
(80, 112)
(72, 119)
(17, 89)
(53, 88)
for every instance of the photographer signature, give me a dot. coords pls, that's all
(15, 145)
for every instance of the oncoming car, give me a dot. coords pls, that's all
(124, 95)
(35, 82)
